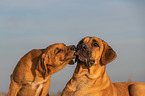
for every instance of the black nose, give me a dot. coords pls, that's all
(83, 47)
(73, 48)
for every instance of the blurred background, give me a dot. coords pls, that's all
(36, 24)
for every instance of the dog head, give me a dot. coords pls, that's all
(93, 50)
(55, 57)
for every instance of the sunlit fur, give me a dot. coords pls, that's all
(93, 81)
(32, 74)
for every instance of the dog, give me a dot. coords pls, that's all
(90, 78)
(32, 74)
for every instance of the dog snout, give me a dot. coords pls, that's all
(83, 47)
(73, 48)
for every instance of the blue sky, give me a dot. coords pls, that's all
(33, 24)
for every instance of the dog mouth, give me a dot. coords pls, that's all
(83, 56)
(70, 56)
(71, 53)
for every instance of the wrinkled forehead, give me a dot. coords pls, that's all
(59, 45)
(91, 39)
(56, 45)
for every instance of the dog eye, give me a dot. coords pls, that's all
(58, 51)
(96, 45)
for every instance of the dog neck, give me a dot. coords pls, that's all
(94, 72)
(82, 77)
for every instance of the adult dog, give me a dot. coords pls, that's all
(31, 76)
(90, 78)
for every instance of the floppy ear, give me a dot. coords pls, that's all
(42, 64)
(108, 54)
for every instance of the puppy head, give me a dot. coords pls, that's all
(55, 57)
(93, 50)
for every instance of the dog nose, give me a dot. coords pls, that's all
(83, 47)
(73, 48)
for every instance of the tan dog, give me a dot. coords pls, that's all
(31, 76)
(90, 78)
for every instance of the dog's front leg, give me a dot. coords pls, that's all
(45, 89)
(14, 88)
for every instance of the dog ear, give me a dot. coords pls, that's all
(108, 54)
(42, 64)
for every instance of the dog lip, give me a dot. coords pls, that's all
(76, 53)
(90, 63)
(72, 57)
(86, 61)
